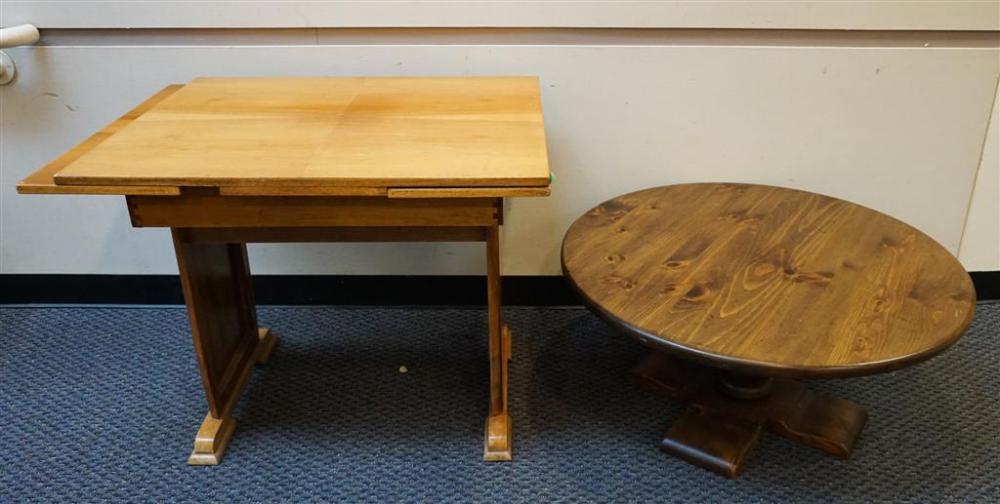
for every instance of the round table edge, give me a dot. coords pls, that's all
(747, 366)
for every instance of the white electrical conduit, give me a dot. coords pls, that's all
(14, 36)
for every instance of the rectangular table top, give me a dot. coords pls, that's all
(402, 136)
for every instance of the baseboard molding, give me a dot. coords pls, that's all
(324, 289)
(288, 290)
(987, 285)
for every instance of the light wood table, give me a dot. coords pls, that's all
(228, 161)
(740, 288)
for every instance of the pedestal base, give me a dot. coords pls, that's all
(719, 430)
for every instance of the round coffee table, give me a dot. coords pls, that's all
(741, 288)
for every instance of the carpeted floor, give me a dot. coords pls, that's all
(101, 404)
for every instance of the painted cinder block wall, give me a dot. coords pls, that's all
(889, 104)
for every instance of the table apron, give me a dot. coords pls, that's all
(332, 234)
(213, 211)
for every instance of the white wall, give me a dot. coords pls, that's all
(771, 14)
(877, 118)
(980, 247)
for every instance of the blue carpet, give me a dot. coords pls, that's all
(101, 404)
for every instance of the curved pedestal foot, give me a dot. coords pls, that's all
(715, 442)
(826, 423)
(719, 430)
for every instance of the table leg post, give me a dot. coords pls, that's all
(215, 278)
(497, 443)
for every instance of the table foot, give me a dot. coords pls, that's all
(826, 423)
(728, 413)
(497, 440)
(713, 441)
(266, 341)
(496, 447)
(215, 433)
(212, 440)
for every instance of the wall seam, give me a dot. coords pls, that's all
(979, 167)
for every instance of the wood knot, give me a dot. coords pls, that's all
(614, 258)
(737, 216)
(616, 216)
(918, 292)
(860, 344)
(816, 277)
(879, 305)
(622, 282)
(670, 288)
(613, 210)
(889, 241)
(675, 264)
(696, 293)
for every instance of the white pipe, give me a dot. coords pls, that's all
(20, 35)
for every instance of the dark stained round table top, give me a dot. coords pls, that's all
(768, 280)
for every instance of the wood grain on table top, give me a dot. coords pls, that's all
(769, 280)
(41, 181)
(365, 132)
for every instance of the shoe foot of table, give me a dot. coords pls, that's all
(215, 433)
(497, 439)
(496, 445)
(718, 431)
